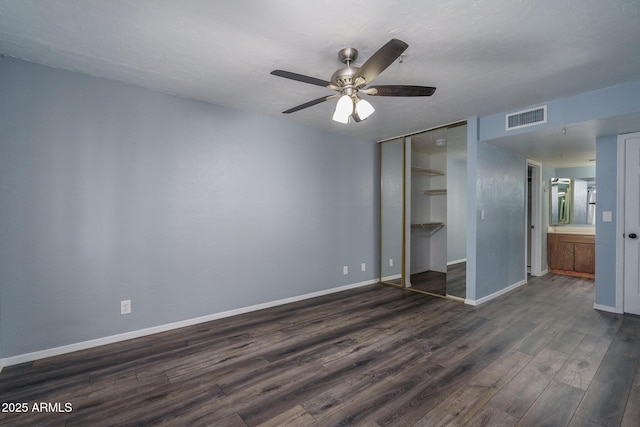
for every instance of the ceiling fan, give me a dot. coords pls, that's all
(351, 81)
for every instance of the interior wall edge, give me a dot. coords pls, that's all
(495, 294)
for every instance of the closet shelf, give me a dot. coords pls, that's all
(435, 191)
(428, 225)
(428, 172)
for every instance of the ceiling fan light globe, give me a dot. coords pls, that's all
(340, 118)
(344, 109)
(364, 109)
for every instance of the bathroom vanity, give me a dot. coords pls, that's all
(571, 252)
(571, 237)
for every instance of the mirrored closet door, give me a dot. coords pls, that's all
(392, 183)
(457, 211)
(423, 211)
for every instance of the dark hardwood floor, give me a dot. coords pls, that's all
(431, 281)
(453, 282)
(457, 280)
(373, 356)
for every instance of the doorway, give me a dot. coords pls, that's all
(628, 224)
(533, 232)
(438, 213)
(422, 242)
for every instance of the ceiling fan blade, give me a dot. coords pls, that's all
(301, 78)
(380, 60)
(399, 90)
(308, 104)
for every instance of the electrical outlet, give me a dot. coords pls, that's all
(345, 270)
(363, 266)
(125, 306)
(390, 262)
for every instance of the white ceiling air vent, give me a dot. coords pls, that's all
(526, 118)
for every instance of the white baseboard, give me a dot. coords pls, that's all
(495, 294)
(390, 278)
(542, 273)
(37, 355)
(606, 308)
(456, 261)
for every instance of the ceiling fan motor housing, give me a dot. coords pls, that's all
(344, 77)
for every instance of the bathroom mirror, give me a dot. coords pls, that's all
(572, 201)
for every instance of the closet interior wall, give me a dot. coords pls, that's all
(428, 206)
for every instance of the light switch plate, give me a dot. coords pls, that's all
(606, 216)
(125, 306)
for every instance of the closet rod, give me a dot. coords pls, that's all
(450, 125)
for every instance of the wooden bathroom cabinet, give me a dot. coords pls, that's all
(572, 254)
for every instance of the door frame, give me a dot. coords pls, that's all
(536, 219)
(620, 218)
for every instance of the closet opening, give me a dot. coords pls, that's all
(424, 211)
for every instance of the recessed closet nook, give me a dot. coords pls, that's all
(423, 205)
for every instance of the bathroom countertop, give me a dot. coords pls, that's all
(573, 229)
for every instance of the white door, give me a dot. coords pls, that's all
(632, 226)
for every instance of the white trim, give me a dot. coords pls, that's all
(495, 294)
(456, 261)
(29, 357)
(620, 200)
(619, 286)
(545, 271)
(606, 308)
(536, 219)
(1, 365)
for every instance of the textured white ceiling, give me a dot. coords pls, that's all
(484, 56)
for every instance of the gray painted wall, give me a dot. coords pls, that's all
(500, 239)
(576, 172)
(606, 172)
(111, 192)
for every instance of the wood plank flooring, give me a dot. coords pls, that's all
(372, 356)
(431, 281)
(453, 282)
